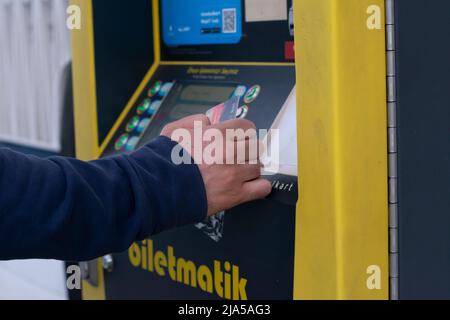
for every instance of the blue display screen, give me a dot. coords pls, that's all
(201, 22)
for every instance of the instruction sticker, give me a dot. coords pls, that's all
(201, 22)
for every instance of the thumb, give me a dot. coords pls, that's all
(256, 189)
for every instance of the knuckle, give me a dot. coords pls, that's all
(230, 177)
(167, 130)
(256, 169)
(246, 124)
(203, 118)
(239, 124)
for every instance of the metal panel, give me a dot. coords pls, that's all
(423, 84)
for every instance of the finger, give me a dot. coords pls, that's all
(236, 124)
(189, 122)
(256, 189)
(254, 149)
(243, 151)
(249, 172)
(261, 148)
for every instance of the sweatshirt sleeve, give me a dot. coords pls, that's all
(60, 208)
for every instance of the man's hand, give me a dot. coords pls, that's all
(233, 180)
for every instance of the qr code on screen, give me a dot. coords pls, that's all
(229, 20)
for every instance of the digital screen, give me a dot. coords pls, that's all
(187, 99)
(201, 22)
(206, 93)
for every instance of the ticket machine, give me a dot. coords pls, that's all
(160, 61)
(330, 229)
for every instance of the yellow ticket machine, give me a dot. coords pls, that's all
(323, 233)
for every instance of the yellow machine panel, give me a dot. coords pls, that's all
(342, 226)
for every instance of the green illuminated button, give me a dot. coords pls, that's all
(132, 124)
(252, 94)
(121, 142)
(143, 107)
(155, 89)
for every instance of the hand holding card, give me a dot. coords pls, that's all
(224, 111)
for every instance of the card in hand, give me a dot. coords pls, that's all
(224, 111)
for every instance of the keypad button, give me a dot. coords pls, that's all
(143, 124)
(143, 107)
(121, 142)
(155, 89)
(154, 107)
(131, 144)
(252, 94)
(242, 112)
(132, 124)
(165, 89)
(240, 91)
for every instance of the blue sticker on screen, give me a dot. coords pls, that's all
(201, 22)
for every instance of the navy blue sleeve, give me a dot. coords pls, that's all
(60, 208)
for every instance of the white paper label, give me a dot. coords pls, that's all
(265, 10)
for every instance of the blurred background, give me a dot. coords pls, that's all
(35, 115)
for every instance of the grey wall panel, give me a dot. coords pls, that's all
(423, 83)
